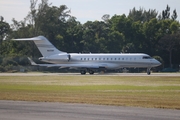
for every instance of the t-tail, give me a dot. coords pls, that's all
(43, 44)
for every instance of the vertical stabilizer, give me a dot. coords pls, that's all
(45, 47)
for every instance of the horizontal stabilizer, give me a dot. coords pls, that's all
(30, 39)
(31, 61)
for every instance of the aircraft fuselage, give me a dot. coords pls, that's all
(88, 62)
(109, 61)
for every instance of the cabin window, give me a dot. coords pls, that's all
(122, 58)
(95, 58)
(147, 57)
(103, 58)
(81, 59)
(99, 58)
(111, 58)
(107, 58)
(114, 58)
(84, 58)
(88, 59)
(118, 58)
(91, 58)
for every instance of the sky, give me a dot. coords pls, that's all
(87, 10)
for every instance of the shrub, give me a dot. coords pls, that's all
(2, 69)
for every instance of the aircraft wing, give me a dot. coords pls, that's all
(79, 65)
(71, 66)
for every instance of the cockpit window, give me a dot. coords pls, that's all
(147, 57)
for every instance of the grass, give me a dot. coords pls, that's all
(148, 91)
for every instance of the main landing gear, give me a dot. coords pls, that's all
(148, 71)
(83, 72)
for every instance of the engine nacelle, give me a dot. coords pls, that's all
(56, 58)
(64, 57)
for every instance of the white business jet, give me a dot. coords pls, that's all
(89, 62)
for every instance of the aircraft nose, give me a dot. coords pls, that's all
(157, 63)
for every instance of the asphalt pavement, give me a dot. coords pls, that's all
(23, 110)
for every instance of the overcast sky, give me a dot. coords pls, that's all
(87, 10)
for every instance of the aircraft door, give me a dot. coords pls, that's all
(69, 57)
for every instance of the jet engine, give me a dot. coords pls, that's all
(57, 57)
(63, 57)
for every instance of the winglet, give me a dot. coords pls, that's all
(31, 61)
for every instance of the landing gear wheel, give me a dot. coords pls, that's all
(149, 71)
(91, 72)
(83, 72)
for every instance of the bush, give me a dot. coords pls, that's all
(1, 59)
(2, 69)
(23, 61)
(9, 61)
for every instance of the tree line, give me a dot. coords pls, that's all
(141, 31)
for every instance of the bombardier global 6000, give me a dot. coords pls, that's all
(89, 62)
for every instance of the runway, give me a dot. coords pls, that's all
(21, 110)
(96, 74)
(18, 110)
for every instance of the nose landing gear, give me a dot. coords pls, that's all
(148, 71)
